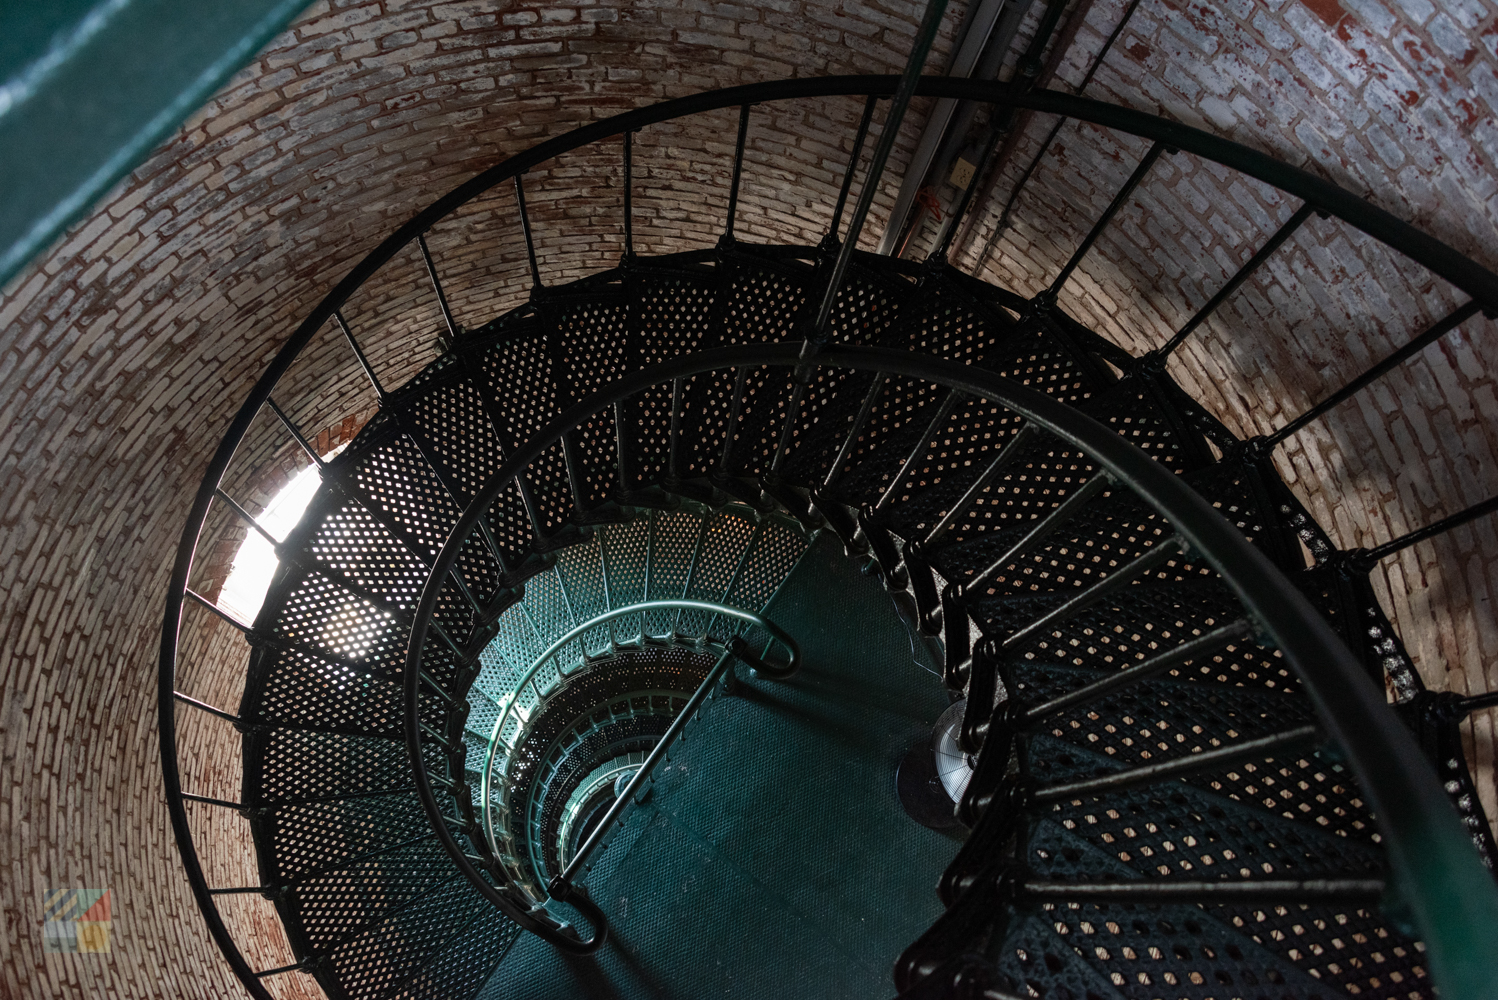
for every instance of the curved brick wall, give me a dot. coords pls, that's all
(124, 351)
(1394, 102)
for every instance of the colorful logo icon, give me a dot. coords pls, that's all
(76, 920)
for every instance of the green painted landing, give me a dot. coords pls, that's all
(773, 858)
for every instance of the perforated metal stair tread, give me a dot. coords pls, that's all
(665, 497)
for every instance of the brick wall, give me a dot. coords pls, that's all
(1393, 101)
(125, 350)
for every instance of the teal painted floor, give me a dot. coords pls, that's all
(772, 858)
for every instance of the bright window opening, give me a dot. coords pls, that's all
(255, 563)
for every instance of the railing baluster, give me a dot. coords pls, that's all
(1180, 767)
(671, 460)
(1207, 643)
(792, 412)
(733, 580)
(276, 972)
(203, 706)
(247, 518)
(437, 689)
(221, 803)
(1435, 332)
(205, 602)
(862, 417)
(1477, 702)
(1037, 534)
(468, 595)
(1158, 553)
(603, 565)
(525, 228)
(1001, 461)
(1264, 252)
(842, 194)
(1102, 222)
(369, 372)
(925, 35)
(1024, 177)
(573, 462)
(532, 509)
(1445, 524)
(493, 545)
(649, 554)
(734, 409)
(949, 402)
(295, 433)
(447, 640)
(447, 313)
(619, 443)
(686, 588)
(738, 170)
(629, 207)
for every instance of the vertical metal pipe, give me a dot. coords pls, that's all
(1029, 171)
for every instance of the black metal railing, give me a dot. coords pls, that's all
(1428, 874)
(1431, 861)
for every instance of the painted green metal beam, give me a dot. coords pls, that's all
(89, 87)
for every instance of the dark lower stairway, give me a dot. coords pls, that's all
(772, 857)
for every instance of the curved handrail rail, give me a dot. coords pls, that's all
(1436, 873)
(497, 739)
(1441, 259)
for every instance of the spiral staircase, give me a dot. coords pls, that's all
(588, 671)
